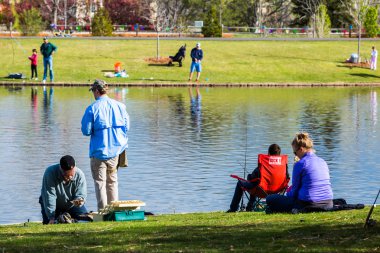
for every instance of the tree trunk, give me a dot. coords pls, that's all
(55, 12)
(314, 24)
(158, 44)
(359, 39)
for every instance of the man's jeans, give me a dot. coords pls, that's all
(48, 62)
(75, 212)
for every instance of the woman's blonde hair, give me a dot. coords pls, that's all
(302, 140)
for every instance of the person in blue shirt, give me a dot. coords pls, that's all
(196, 57)
(311, 186)
(106, 121)
(64, 190)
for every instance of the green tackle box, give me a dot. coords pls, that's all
(126, 215)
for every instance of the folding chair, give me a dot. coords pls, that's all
(273, 179)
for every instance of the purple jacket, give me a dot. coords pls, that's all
(311, 179)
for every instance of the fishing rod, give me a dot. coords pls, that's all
(370, 222)
(13, 39)
(242, 205)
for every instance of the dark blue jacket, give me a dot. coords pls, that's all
(196, 54)
(47, 49)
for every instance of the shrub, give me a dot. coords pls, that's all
(370, 22)
(323, 22)
(31, 22)
(101, 24)
(211, 27)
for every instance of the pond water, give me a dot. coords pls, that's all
(181, 155)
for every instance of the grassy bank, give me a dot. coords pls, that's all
(80, 61)
(205, 232)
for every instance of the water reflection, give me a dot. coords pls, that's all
(181, 140)
(195, 108)
(373, 104)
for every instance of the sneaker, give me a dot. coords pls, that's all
(44, 81)
(230, 211)
(36, 78)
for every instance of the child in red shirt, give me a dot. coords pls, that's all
(33, 66)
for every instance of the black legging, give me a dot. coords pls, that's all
(34, 70)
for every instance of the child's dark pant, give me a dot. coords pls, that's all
(34, 70)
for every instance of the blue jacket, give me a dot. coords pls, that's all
(311, 179)
(107, 122)
(196, 54)
(57, 195)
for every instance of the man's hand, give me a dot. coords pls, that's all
(78, 202)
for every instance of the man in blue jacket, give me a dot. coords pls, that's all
(196, 57)
(64, 190)
(107, 122)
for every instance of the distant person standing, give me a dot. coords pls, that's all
(107, 122)
(33, 64)
(136, 27)
(47, 50)
(374, 58)
(196, 56)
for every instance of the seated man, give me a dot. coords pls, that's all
(64, 190)
(273, 150)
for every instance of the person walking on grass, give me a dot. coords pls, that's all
(196, 57)
(63, 192)
(374, 58)
(106, 121)
(33, 64)
(47, 50)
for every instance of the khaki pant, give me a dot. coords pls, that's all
(104, 173)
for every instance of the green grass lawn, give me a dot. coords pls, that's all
(202, 232)
(82, 60)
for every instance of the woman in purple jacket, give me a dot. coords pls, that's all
(311, 187)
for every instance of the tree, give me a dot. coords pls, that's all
(212, 27)
(163, 14)
(279, 13)
(101, 24)
(358, 9)
(338, 16)
(31, 22)
(52, 6)
(125, 11)
(370, 22)
(323, 23)
(307, 11)
(242, 12)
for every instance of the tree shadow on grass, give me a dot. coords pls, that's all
(158, 65)
(202, 238)
(364, 75)
(348, 66)
(289, 58)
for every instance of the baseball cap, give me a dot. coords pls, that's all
(67, 162)
(99, 85)
(45, 38)
(198, 44)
